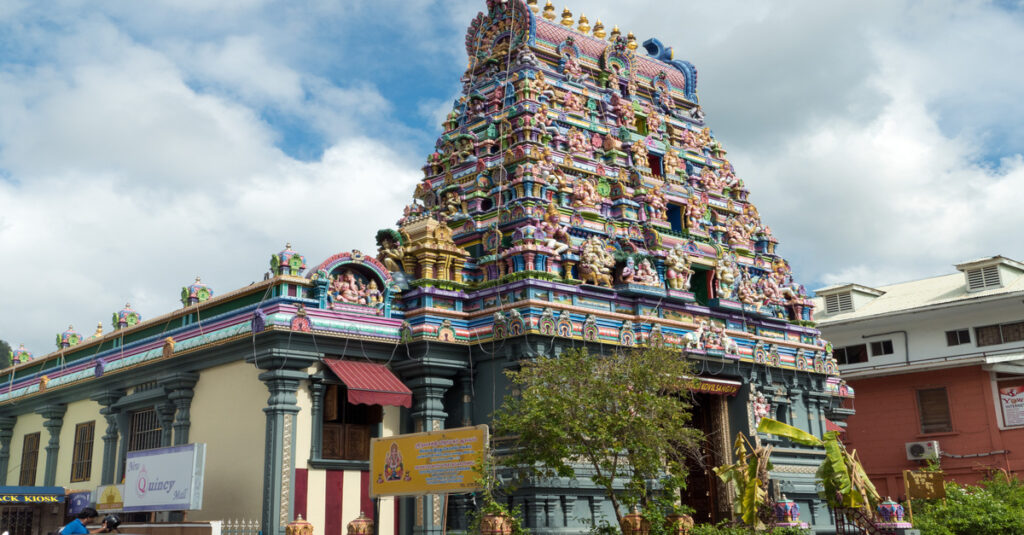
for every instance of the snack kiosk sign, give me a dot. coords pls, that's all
(435, 462)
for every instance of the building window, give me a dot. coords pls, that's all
(933, 408)
(851, 354)
(347, 428)
(654, 162)
(999, 334)
(981, 278)
(81, 457)
(958, 337)
(883, 347)
(29, 460)
(145, 431)
(838, 303)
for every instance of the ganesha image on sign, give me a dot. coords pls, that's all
(394, 468)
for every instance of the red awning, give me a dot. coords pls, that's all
(832, 426)
(371, 384)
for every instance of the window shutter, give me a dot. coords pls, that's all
(838, 303)
(933, 405)
(975, 279)
(832, 304)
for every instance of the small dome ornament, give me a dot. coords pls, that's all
(584, 24)
(298, 527)
(631, 41)
(532, 4)
(362, 525)
(614, 36)
(99, 330)
(126, 317)
(287, 262)
(21, 355)
(68, 338)
(549, 11)
(196, 292)
(599, 29)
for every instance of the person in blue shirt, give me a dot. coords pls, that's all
(77, 526)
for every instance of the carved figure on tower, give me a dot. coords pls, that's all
(670, 162)
(696, 207)
(678, 270)
(596, 263)
(557, 236)
(584, 194)
(726, 272)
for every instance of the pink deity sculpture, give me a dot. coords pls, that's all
(690, 140)
(579, 144)
(584, 194)
(646, 274)
(696, 207)
(571, 102)
(639, 151)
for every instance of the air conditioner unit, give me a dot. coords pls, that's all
(919, 451)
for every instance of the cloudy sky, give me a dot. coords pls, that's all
(145, 143)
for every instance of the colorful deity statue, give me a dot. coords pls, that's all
(579, 144)
(696, 207)
(623, 110)
(678, 270)
(557, 236)
(653, 121)
(726, 272)
(351, 289)
(596, 263)
(584, 194)
(646, 274)
(549, 171)
(390, 250)
(670, 162)
(571, 102)
(655, 199)
(571, 68)
(691, 141)
(452, 204)
(747, 292)
(639, 151)
(736, 233)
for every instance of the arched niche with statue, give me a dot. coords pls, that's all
(354, 282)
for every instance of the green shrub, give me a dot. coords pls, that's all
(992, 508)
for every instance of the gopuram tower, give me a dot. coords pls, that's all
(577, 195)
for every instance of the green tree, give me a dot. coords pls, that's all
(623, 416)
(5, 354)
(991, 508)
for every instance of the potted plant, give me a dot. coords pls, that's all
(491, 516)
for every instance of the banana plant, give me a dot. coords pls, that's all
(841, 473)
(750, 476)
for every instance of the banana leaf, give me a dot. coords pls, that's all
(777, 428)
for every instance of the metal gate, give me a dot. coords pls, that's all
(17, 520)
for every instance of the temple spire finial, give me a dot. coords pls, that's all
(599, 29)
(549, 11)
(584, 24)
(567, 18)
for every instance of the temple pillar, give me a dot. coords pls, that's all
(54, 420)
(110, 436)
(428, 414)
(6, 432)
(285, 372)
(316, 393)
(165, 415)
(180, 389)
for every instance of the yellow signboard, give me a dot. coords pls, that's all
(436, 462)
(927, 485)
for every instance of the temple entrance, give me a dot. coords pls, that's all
(702, 488)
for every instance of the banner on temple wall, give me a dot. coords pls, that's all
(435, 462)
(1011, 399)
(927, 485)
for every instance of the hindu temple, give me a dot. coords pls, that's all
(576, 196)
